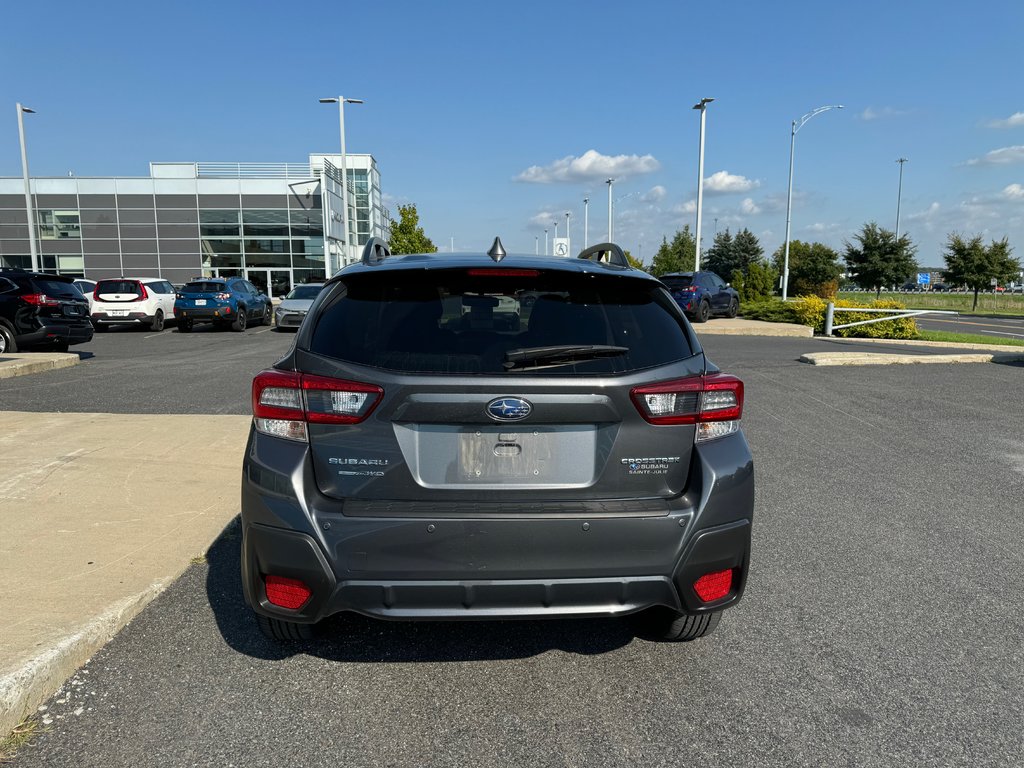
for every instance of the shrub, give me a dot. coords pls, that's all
(772, 311)
(825, 290)
(810, 310)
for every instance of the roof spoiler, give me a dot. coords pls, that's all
(607, 253)
(375, 252)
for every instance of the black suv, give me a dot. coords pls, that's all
(39, 310)
(491, 437)
(702, 294)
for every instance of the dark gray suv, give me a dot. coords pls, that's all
(483, 436)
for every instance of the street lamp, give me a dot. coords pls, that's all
(555, 224)
(702, 105)
(586, 221)
(545, 242)
(796, 126)
(536, 245)
(610, 182)
(567, 225)
(341, 101)
(28, 189)
(899, 197)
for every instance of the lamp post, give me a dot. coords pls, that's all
(796, 126)
(610, 182)
(555, 225)
(29, 213)
(567, 226)
(701, 105)
(586, 221)
(341, 101)
(536, 245)
(545, 242)
(899, 198)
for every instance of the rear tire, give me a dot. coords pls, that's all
(241, 321)
(666, 625)
(185, 325)
(285, 631)
(7, 343)
(158, 321)
(734, 308)
(703, 313)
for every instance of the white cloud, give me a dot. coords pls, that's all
(654, 194)
(820, 227)
(1016, 120)
(590, 166)
(927, 214)
(1001, 156)
(1014, 192)
(690, 206)
(877, 113)
(546, 219)
(749, 207)
(725, 183)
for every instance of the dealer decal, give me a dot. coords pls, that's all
(649, 465)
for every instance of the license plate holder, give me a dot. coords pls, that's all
(495, 454)
(200, 302)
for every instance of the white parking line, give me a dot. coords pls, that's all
(1004, 333)
(263, 330)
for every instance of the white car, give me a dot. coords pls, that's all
(146, 301)
(86, 287)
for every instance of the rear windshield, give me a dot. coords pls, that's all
(118, 286)
(56, 287)
(203, 287)
(677, 281)
(304, 292)
(448, 321)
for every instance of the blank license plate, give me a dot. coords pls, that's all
(200, 302)
(117, 312)
(488, 455)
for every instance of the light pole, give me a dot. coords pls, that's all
(796, 126)
(702, 105)
(29, 214)
(536, 245)
(610, 182)
(545, 242)
(453, 245)
(555, 225)
(586, 221)
(899, 198)
(567, 226)
(341, 101)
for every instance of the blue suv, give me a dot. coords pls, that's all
(225, 302)
(702, 294)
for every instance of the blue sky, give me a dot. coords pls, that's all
(463, 99)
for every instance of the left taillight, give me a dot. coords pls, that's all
(714, 403)
(283, 403)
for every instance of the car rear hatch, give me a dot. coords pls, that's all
(119, 298)
(455, 391)
(201, 293)
(57, 301)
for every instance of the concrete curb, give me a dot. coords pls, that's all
(20, 364)
(874, 358)
(25, 688)
(934, 344)
(753, 328)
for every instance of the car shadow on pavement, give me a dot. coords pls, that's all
(354, 638)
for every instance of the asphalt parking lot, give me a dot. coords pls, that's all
(1010, 327)
(882, 623)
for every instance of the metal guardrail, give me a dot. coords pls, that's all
(253, 170)
(891, 314)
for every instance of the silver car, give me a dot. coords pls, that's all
(292, 310)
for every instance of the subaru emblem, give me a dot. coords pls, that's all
(508, 409)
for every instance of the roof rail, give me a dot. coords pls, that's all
(607, 253)
(375, 252)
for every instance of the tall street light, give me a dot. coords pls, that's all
(702, 105)
(536, 245)
(796, 126)
(341, 101)
(545, 242)
(610, 182)
(555, 225)
(567, 225)
(586, 221)
(899, 197)
(28, 189)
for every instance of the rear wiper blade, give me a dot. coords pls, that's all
(564, 352)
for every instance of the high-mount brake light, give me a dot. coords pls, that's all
(283, 403)
(713, 402)
(485, 272)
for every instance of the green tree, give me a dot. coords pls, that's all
(634, 262)
(814, 268)
(970, 263)
(878, 259)
(677, 256)
(747, 249)
(407, 235)
(720, 257)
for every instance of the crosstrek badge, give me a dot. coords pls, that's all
(649, 465)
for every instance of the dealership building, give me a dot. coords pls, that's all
(276, 224)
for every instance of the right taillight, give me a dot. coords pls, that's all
(713, 402)
(283, 403)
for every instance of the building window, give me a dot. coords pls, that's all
(264, 222)
(59, 225)
(307, 223)
(221, 253)
(219, 223)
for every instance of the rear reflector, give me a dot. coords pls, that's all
(284, 402)
(713, 586)
(286, 593)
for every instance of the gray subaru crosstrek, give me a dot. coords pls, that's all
(492, 436)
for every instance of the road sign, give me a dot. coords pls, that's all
(924, 278)
(560, 246)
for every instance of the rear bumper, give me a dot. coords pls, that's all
(104, 318)
(59, 333)
(528, 566)
(205, 314)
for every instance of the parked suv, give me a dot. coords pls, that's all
(702, 294)
(225, 302)
(143, 301)
(39, 310)
(434, 446)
